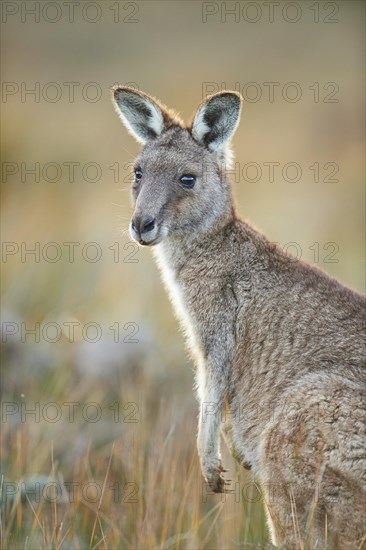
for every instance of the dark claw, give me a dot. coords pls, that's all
(219, 486)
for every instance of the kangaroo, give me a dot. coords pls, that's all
(278, 344)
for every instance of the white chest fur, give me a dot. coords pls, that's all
(173, 286)
(175, 290)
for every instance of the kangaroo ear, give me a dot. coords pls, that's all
(142, 115)
(216, 119)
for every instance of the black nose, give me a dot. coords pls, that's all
(148, 224)
(143, 225)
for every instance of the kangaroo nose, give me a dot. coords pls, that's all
(148, 224)
(143, 225)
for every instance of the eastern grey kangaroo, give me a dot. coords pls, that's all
(279, 345)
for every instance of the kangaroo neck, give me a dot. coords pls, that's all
(182, 249)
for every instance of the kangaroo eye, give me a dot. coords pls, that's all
(188, 181)
(138, 173)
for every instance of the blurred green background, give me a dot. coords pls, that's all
(301, 71)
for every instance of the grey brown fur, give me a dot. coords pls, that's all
(279, 345)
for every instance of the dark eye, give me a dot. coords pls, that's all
(138, 173)
(188, 181)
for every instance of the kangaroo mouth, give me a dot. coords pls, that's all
(146, 239)
(149, 243)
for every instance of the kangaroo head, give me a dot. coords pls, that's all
(180, 186)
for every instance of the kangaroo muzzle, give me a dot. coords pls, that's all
(143, 229)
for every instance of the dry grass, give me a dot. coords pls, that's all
(135, 484)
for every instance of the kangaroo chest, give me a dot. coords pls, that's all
(177, 291)
(205, 304)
